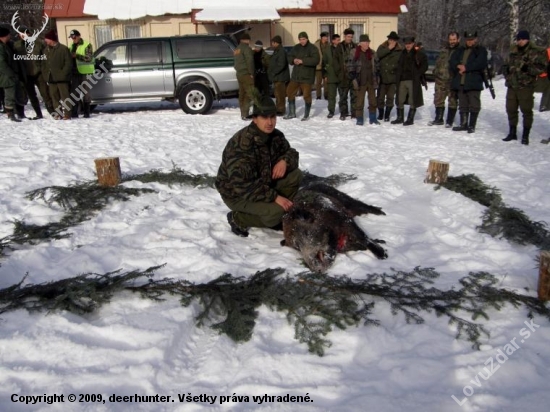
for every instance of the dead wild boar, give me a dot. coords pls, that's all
(320, 224)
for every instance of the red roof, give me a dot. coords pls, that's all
(349, 6)
(64, 8)
(75, 8)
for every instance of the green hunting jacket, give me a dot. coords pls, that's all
(278, 71)
(32, 67)
(331, 71)
(243, 60)
(524, 65)
(442, 71)
(247, 163)
(305, 72)
(388, 60)
(341, 58)
(58, 64)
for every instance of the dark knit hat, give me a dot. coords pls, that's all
(408, 39)
(393, 35)
(523, 35)
(470, 34)
(4, 31)
(51, 35)
(245, 36)
(277, 39)
(364, 37)
(264, 107)
(259, 44)
(303, 35)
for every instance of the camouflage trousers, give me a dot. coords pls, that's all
(524, 100)
(263, 214)
(386, 94)
(442, 92)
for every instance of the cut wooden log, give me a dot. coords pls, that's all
(437, 172)
(544, 276)
(108, 171)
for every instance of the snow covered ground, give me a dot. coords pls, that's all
(139, 347)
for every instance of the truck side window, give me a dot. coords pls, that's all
(146, 53)
(203, 48)
(115, 54)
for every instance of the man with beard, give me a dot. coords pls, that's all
(525, 63)
(443, 79)
(346, 85)
(388, 54)
(467, 66)
(259, 174)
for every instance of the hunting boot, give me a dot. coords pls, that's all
(306, 113)
(373, 119)
(380, 113)
(11, 115)
(525, 136)
(512, 134)
(463, 123)
(87, 110)
(451, 113)
(235, 228)
(291, 110)
(473, 121)
(438, 117)
(37, 110)
(20, 111)
(74, 111)
(387, 113)
(359, 121)
(400, 115)
(410, 117)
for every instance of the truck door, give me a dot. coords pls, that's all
(113, 80)
(147, 70)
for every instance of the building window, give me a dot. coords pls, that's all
(103, 34)
(132, 32)
(359, 29)
(328, 28)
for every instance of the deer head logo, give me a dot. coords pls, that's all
(29, 40)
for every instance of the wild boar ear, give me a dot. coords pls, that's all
(304, 215)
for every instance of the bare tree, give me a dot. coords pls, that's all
(514, 18)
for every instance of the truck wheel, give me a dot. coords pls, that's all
(195, 98)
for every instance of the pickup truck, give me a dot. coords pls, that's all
(194, 69)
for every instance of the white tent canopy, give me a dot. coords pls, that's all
(212, 10)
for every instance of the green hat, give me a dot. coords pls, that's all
(265, 106)
(303, 35)
(364, 37)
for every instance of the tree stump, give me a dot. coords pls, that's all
(544, 276)
(437, 172)
(108, 171)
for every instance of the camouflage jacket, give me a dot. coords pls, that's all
(358, 65)
(341, 59)
(244, 60)
(388, 60)
(441, 69)
(247, 162)
(524, 65)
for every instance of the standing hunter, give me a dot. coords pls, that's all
(278, 73)
(346, 83)
(525, 63)
(83, 65)
(243, 62)
(304, 56)
(331, 74)
(388, 57)
(443, 78)
(322, 45)
(10, 75)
